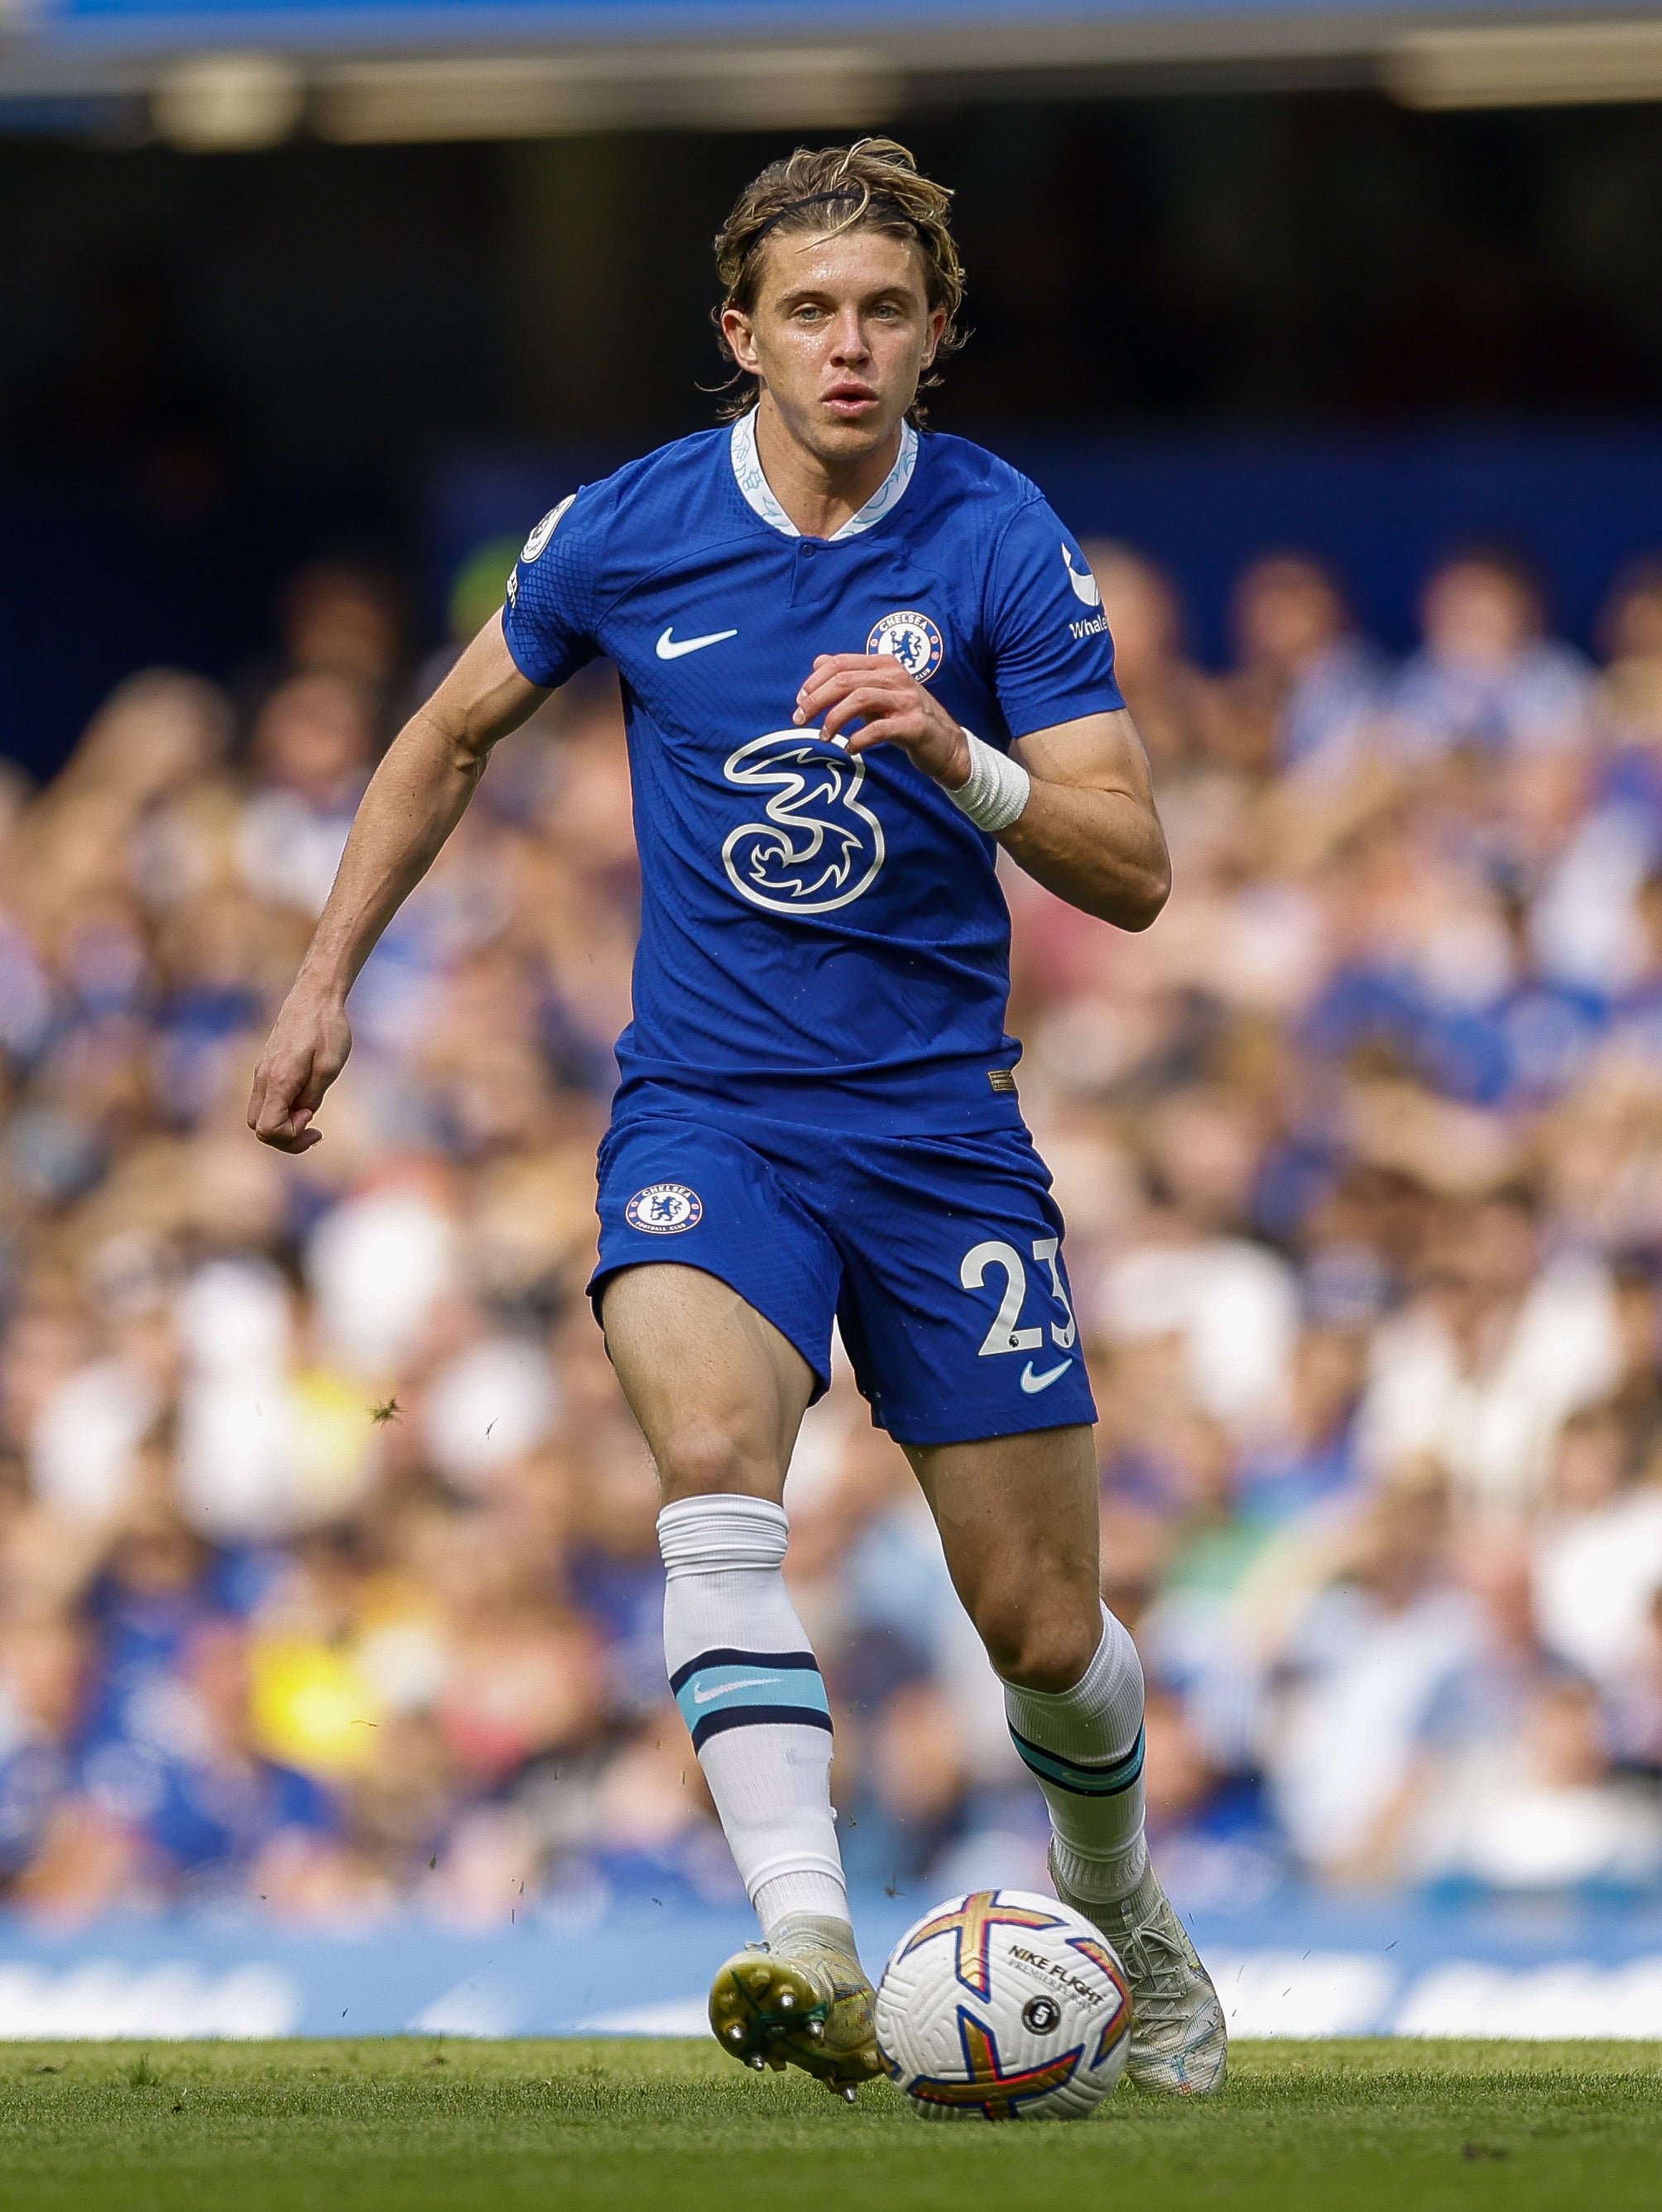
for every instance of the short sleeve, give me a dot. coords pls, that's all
(549, 618)
(1053, 659)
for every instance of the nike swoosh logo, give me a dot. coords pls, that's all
(726, 1689)
(671, 649)
(1030, 1381)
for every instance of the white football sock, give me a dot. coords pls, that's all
(750, 1690)
(1085, 1747)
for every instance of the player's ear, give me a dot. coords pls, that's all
(741, 339)
(937, 323)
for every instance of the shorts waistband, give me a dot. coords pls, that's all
(953, 1098)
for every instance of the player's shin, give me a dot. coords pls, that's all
(1084, 1746)
(750, 1689)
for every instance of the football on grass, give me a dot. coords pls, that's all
(1003, 2005)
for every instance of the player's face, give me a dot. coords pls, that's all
(839, 335)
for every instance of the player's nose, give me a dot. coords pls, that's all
(849, 340)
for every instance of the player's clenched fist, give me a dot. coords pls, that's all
(873, 689)
(304, 1054)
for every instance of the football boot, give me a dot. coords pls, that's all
(1179, 2046)
(799, 1999)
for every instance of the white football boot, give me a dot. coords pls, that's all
(1179, 2045)
(799, 1999)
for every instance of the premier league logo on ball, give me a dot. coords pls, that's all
(664, 1209)
(912, 639)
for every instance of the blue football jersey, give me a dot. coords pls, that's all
(810, 919)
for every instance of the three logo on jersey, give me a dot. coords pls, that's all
(819, 846)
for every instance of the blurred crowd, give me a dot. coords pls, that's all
(328, 1580)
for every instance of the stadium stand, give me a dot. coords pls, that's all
(327, 1578)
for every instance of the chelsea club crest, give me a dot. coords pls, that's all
(912, 639)
(664, 1209)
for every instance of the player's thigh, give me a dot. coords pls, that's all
(1019, 1524)
(718, 1392)
(715, 1290)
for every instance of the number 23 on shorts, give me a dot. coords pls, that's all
(1007, 1334)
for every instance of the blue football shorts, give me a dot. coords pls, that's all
(938, 1258)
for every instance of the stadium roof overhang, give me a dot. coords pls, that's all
(213, 74)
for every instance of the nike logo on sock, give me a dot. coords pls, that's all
(670, 648)
(1030, 1381)
(723, 1689)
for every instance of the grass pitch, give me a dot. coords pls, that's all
(420, 2126)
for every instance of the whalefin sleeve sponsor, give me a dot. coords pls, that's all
(1053, 658)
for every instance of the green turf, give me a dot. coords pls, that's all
(427, 2127)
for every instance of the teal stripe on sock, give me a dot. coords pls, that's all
(1109, 1781)
(729, 1688)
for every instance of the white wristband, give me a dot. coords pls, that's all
(997, 789)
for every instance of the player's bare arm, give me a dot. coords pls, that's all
(1089, 831)
(415, 800)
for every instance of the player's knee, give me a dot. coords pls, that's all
(704, 1459)
(1037, 1645)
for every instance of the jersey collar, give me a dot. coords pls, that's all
(758, 492)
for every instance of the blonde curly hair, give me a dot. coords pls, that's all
(873, 184)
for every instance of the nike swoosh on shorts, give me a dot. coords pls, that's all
(724, 1689)
(1030, 1381)
(670, 648)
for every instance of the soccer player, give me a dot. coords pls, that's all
(857, 659)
